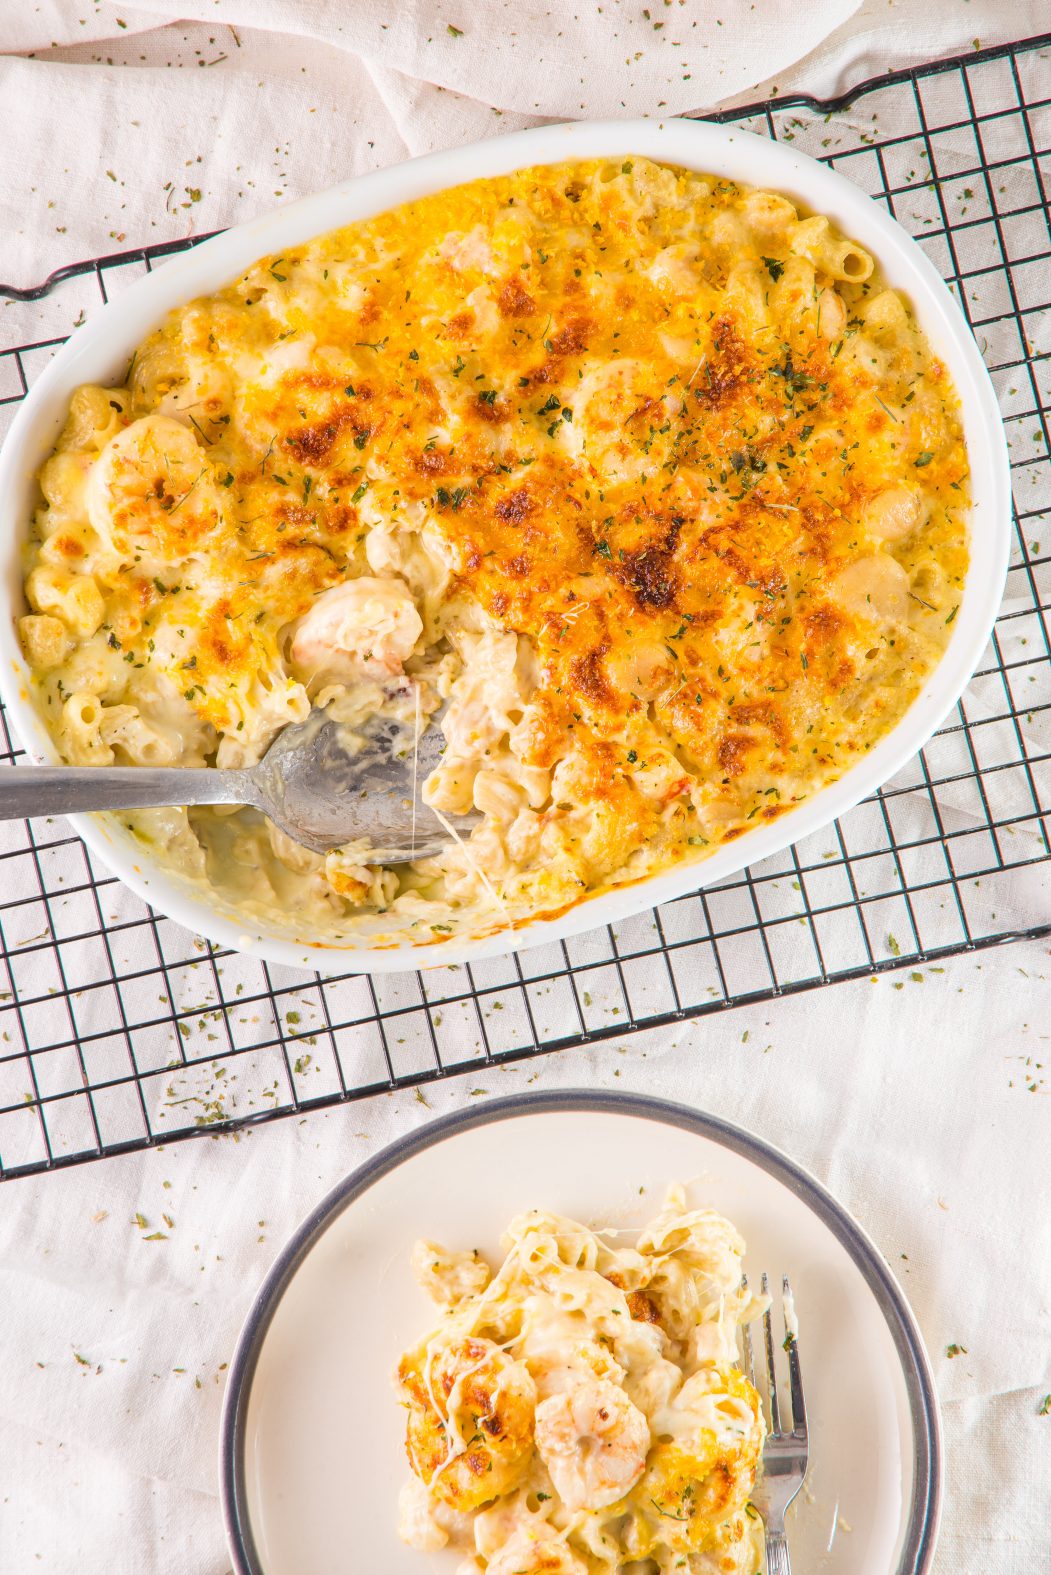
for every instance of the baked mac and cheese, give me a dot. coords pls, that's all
(582, 1411)
(645, 477)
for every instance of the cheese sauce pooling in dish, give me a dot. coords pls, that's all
(645, 477)
(581, 1410)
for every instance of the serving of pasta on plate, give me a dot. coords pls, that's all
(580, 1411)
(643, 481)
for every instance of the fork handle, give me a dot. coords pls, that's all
(777, 1560)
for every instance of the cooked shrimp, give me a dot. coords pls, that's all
(470, 1430)
(622, 421)
(673, 270)
(593, 1441)
(470, 250)
(875, 588)
(364, 627)
(535, 1550)
(703, 1469)
(153, 488)
(895, 513)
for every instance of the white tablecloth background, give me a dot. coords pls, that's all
(920, 1098)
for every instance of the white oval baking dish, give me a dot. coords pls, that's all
(99, 353)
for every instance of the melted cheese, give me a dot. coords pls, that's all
(657, 482)
(632, 1446)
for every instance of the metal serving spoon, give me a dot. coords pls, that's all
(322, 782)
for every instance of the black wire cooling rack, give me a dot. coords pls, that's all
(120, 1030)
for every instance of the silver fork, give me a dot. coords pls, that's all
(786, 1450)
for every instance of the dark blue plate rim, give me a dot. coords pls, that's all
(925, 1506)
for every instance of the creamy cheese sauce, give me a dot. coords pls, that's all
(648, 475)
(561, 1411)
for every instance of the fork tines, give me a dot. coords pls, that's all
(790, 1344)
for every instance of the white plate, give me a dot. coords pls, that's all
(99, 353)
(312, 1450)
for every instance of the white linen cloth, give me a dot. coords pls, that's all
(180, 129)
(911, 1103)
(920, 1098)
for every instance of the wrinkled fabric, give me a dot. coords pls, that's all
(909, 1097)
(185, 126)
(919, 1098)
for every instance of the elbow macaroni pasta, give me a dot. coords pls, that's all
(649, 479)
(581, 1411)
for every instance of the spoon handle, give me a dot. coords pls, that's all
(63, 790)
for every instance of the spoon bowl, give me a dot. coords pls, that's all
(324, 783)
(327, 784)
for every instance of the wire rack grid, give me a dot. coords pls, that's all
(120, 1030)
